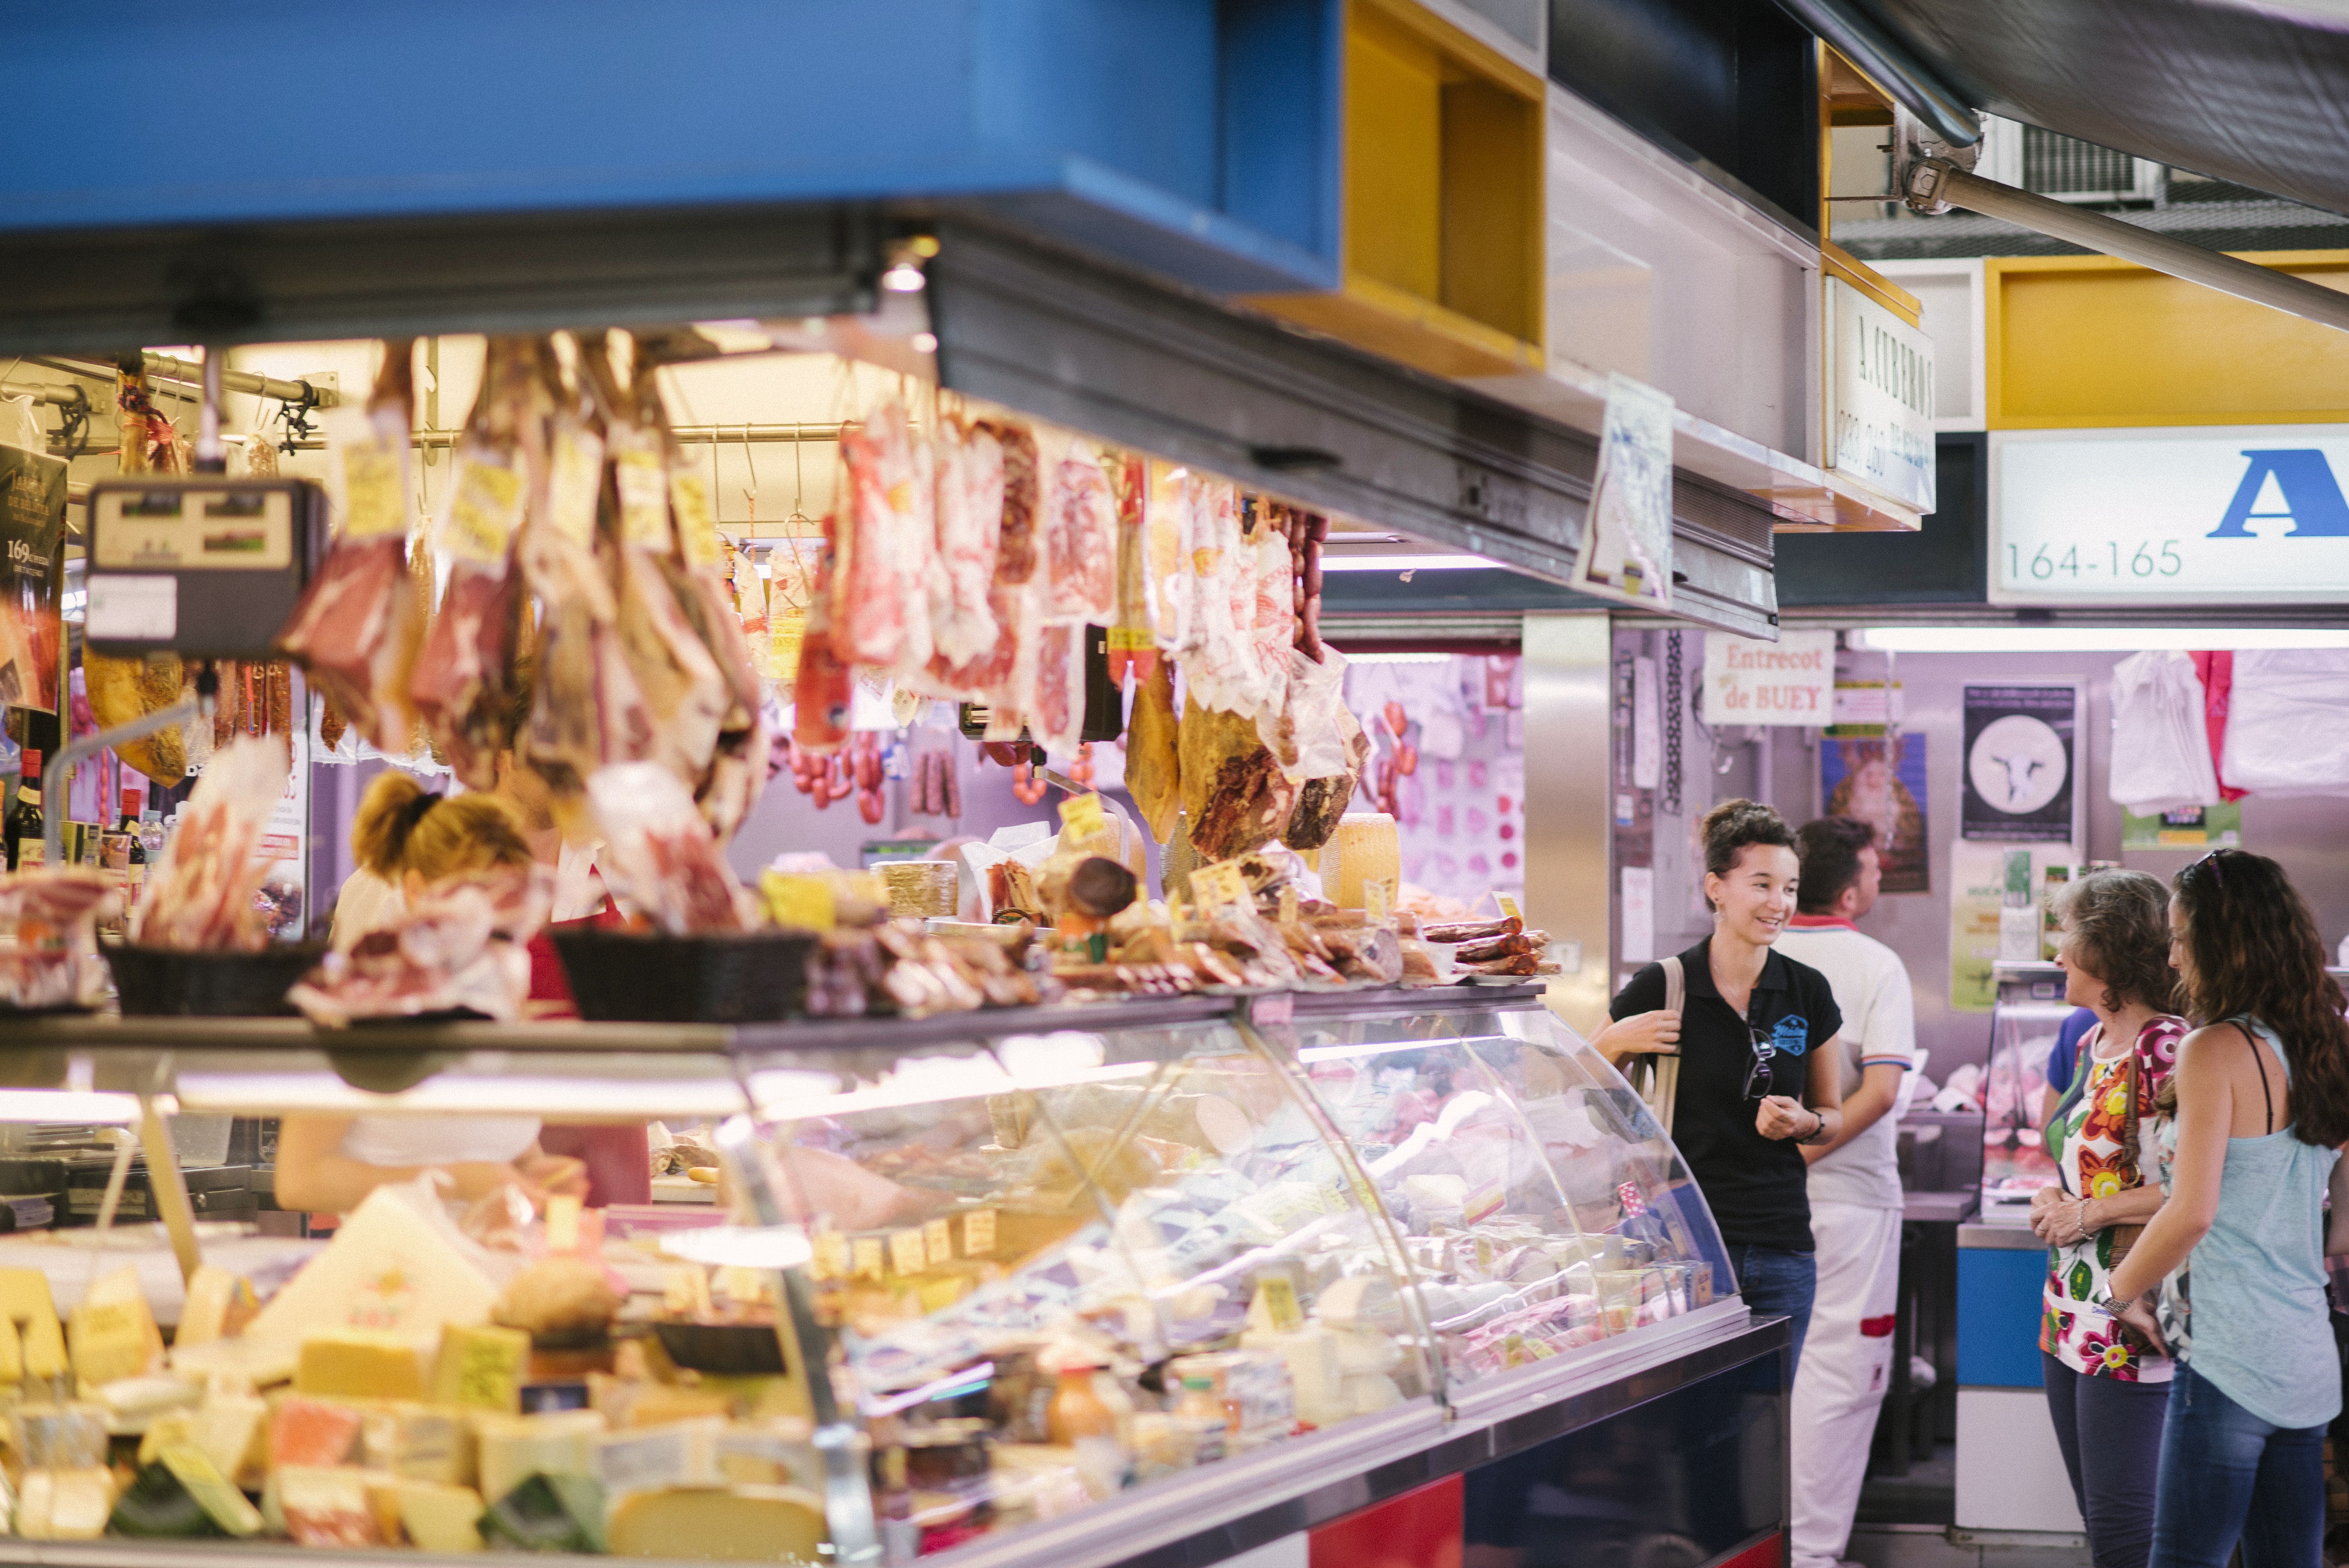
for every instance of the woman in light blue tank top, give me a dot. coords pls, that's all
(2249, 1148)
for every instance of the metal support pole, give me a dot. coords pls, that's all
(61, 764)
(1935, 184)
(211, 458)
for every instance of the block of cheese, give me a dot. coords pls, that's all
(510, 1450)
(243, 1363)
(481, 1367)
(35, 1344)
(1365, 848)
(392, 1266)
(438, 1518)
(1310, 1354)
(312, 1433)
(359, 1364)
(112, 1334)
(740, 1524)
(548, 1514)
(775, 1453)
(131, 1403)
(211, 1492)
(419, 1442)
(233, 1431)
(219, 1303)
(652, 1458)
(65, 1504)
(325, 1505)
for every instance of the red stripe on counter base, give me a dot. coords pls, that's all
(1421, 1529)
(1770, 1552)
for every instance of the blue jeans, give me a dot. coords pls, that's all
(2110, 1432)
(1778, 1284)
(2227, 1475)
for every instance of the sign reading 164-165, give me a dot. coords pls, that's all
(2226, 514)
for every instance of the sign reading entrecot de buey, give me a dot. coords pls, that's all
(1879, 398)
(1788, 682)
(2203, 515)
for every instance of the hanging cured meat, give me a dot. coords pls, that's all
(681, 682)
(360, 622)
(1132, 636)
(463, 681)
(887, 542)
(1055, 710)
(1167, 573)
(586, 708)
(969, 473)
(823, 685)
(1080, 542)
(1152, 759)
(123, 690)
(1023, 482)
(1235, 795)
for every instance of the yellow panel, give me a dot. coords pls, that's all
(2092, 341)
(1492, 163)
(1416, 332)
(1394, 98)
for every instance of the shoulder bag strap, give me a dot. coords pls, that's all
(1675, 985)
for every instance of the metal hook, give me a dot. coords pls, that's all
(750, 492)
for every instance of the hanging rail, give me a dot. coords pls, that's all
(306, 393)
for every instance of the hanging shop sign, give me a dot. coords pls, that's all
(32, 533)
(1880, 388)
(1627, 534)
(2020, 772)
(2177, 516)
(1788, 682)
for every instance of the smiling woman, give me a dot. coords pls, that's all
(1757, 1078)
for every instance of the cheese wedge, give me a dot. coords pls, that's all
(741, 1525)
(34, 1343)
(112, 1334)
(360, 1364)
(419, 1442)
(481, 1367)
(510, 1450)
(438, 1518)
(219, 1303)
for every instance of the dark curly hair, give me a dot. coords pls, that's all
(2116, 929)
(1830, 851)
(2251, 950)
(1733, 827)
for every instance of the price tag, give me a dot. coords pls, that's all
(575, 484)
(908, 1253)
(1279, 1298)
(978, 1234)
(375, 491)
(1219, 885)
(868, 1257)
(804, 902)
(830, 1261)
(938, 1239)
(642, 482)
(785, 633)
(1288, 904)
(696, 528)
(1081, 819)
(1378, 898)
(563, 1223)
(1508, 906)
(485, 512)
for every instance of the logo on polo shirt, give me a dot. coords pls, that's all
(1792, 1034)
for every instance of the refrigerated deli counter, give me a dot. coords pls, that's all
(1156, 1282)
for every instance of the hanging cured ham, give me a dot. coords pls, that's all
(359, 625)
(462, 684)
(1080, 542)
(969, 475)
(1235, 795)
(1152, 767)
(886, 545)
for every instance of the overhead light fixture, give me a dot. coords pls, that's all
(903, 278)
(1408, 563)
(86, 1108)
(2089, 639)
(1389, 659)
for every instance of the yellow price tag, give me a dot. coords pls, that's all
(696, 528)
(375, 492)
(1377, 900)
(908, 1253)
(830, 1261)
(938, 1239)
(978, 1233)
(868, 1257)
(1081, 819)
(794, 900)
(1213, 886)
(785, 635)
(485, 512)
(1508, 906)
(574, 483)
(641, 481)
(1279, 1298)
(562, 1223)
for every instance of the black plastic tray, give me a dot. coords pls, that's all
(167, 982)
(736, 977)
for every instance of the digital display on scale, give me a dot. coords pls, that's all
(2218, 514)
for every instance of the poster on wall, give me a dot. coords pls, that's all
(1882, 781)
(2217, 827)
(1998, 897)
(1627, 533)
(2018, 774)
(32, 533)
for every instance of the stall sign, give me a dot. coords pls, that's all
(2019, 772)
(2219, 827)
(32, 533)
(1879, 398)
(2170, 516)
(1788, 682)
(1627, 534)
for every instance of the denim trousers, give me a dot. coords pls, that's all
(2227, 1475)
(2110, 1432)
(1778, 1284)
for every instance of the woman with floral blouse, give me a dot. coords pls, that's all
(2106, 1387)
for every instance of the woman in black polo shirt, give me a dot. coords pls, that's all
(1757, 1078)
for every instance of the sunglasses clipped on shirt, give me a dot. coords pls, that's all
(1765, 1055)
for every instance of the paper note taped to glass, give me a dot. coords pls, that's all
(1627, 534)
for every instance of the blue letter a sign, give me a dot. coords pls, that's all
(2311, 497)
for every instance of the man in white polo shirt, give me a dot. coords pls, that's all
(1855, 1186)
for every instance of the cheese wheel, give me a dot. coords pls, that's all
(1365, 848)
(741, 1525)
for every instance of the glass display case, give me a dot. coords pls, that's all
(2025, 1021)
(965, 1285)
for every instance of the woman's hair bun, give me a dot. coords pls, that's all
(1733, 826)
